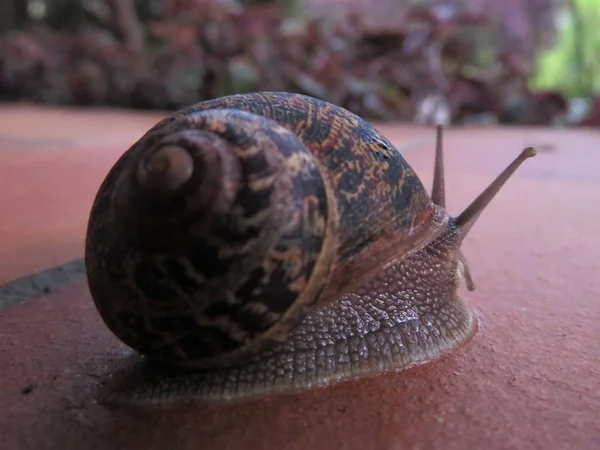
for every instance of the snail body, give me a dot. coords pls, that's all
(271, 242)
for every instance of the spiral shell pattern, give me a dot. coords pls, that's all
(206, 233)
(216, 232)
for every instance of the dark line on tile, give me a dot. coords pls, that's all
(19, 291)
(23, 141)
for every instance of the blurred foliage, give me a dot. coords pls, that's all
(439, 61)
(573, 65)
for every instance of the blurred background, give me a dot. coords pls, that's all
(530, 62)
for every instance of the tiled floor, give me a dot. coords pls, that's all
(530, 379)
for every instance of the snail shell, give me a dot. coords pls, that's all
(272, 242)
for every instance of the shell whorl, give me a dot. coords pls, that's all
(178, 184)
(220, 228)
(169, 168)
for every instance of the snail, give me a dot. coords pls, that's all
(272, 242)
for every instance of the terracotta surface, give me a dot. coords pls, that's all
(530, 379)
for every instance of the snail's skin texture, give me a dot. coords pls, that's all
(407, 314)
(273, 242)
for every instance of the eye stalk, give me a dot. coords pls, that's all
(438, 192)
(469, 216)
